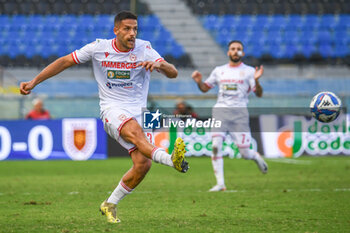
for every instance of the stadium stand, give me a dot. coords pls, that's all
(281, 31)
(75, 7)
(205, 7)
(285, 37)
(33, 34)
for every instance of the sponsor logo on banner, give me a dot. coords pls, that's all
(79, 137)
(300, 135)
(199, 142)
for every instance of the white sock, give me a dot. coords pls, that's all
(160, 156)
(217, 160)
(119, 193)
(218, 166)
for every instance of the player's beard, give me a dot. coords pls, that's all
(235, 60)
(126, 45)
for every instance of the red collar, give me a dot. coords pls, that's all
(116, 49)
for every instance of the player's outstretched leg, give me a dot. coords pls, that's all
(250, 154)
(133, 133)
(175, 160)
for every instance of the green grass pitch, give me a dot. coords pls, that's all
(309, 195)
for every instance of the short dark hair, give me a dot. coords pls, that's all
(124, 15)
(235, 41)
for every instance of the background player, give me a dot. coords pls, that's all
(235, 81)
(122, 69)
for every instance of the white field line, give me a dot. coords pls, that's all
(73, 193)
(201, 191)
(290, 161)
(265, 190)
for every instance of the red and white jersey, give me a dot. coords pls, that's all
(120, 82)
(234, 82)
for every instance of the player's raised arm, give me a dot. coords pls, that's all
(258, 88)
(54, 68)
(197, 77)
(162, 66)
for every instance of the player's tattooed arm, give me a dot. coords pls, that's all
(197, 77)
(54, 68)
(163, 67)
(258, 73)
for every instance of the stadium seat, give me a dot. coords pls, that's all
(341, 50)
(324, 37)
(296, 19)
(328, 22)
(277, 23)
(261, 21)
(308, 50)
(291, 37)
(277, 51)
(326, 50)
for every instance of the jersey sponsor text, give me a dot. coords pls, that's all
(119, 65)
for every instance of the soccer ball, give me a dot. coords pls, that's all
(325, 106)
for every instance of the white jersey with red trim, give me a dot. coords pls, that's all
(120, 82)
(235, 84)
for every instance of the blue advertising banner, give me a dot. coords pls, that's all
(70, 138)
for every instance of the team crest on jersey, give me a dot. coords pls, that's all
(106, 54)
(122, 117)
(79, 137)
(132, 57)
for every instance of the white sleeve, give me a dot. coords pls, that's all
(151, 54)
(251, 81)
(212, 80)
(84, 54)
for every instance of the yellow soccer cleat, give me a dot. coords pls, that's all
(178, 156)
(109, 209)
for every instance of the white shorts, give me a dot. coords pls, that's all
(114, 120)
(235, 122)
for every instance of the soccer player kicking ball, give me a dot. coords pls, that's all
(235, 81)
(122, 68)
